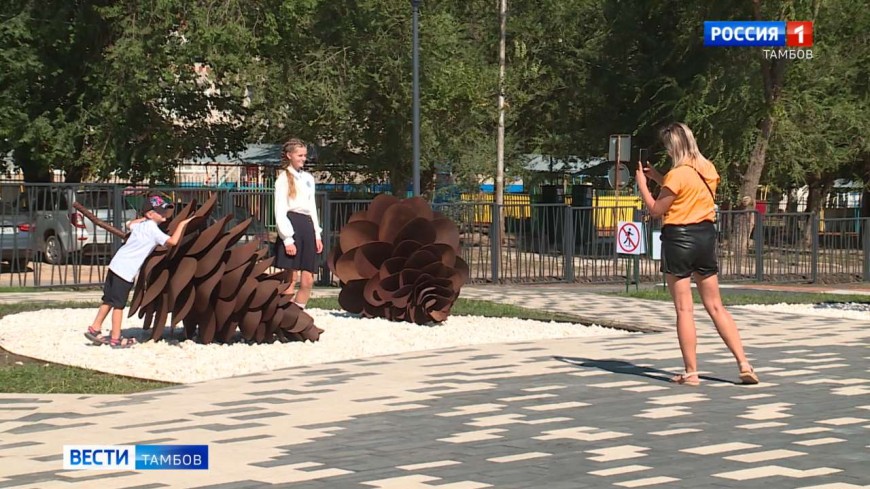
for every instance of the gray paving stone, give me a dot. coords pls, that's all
(36, 427)
(622, 383)
(245, 484)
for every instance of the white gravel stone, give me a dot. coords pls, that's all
(846, 310)
(57, 335)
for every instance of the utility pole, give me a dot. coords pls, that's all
(415, 4)
(499, 156)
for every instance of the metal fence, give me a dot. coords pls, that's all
(46, 242)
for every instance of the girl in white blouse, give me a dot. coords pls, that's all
(299, 232)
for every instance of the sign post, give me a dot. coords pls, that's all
(630, 241)
(619, 148)
(657, 252)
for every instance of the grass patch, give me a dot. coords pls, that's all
(25, 375)
(472, 307)
(14, 290)
(740, 298)
(15, 308)
(18, 290)
(50, 378)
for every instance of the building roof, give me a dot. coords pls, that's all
(551, 164)
(269, 155)
(254, 154)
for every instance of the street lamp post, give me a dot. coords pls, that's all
(415, 4)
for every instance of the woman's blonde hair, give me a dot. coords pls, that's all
(680, 144)
(288, 147)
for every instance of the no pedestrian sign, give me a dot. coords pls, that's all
(629, 238)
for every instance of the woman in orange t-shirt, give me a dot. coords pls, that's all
(689, 237)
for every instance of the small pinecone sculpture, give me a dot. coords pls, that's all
(217, 288)
(399, 260)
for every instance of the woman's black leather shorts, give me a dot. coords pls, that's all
(689, 248)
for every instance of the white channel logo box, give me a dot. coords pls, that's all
(99, 457)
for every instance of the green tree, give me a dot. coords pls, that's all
(51, 49)
(340, 74)
(825, 115)
(173, 85)
(111, 87)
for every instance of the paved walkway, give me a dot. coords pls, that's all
(568, 413)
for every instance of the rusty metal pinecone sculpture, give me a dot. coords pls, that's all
(215, 287)
(399, 260)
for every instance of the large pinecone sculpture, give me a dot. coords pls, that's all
(399, 260)
(217, 288)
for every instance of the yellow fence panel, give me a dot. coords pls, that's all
(518, 206)
(604, 211)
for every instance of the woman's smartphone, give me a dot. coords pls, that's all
(643, 156)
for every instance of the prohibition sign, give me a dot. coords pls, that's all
(628, 238)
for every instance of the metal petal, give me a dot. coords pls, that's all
(351, 296)
(395, 219)
(357, 234)
(369, 258)
(379, 206)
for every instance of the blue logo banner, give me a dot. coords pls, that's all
(171, 457)
(725, 33)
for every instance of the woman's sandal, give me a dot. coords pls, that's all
(96, 336)
(122, 342)
(747, 375)
(687, 378)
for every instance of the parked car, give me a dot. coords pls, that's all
(61, 231)
(16, 239)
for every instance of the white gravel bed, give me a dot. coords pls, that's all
(846, 310)
(57, 335)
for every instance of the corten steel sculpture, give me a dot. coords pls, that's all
(399, 260)
(214, 287)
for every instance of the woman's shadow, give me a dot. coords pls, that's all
(628, 368)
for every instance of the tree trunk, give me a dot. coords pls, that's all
(815, 198)
(749, 188)
(75, 174)
(752, 176)
(792, 204)
(77, 169)
(772, 76)
(865, 203)
(865, 199)
(865, 196)
(427, 183)
(34, 171)
(399, 179)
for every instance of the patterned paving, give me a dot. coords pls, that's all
(556, 414)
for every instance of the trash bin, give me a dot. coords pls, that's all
(581, 195)
(583, 216)
(547, 218)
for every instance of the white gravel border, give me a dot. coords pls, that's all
(848, 310)
(57, 336)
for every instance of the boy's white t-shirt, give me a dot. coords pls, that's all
(144, 237)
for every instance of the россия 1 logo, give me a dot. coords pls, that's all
(767, 34)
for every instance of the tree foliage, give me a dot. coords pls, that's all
(135, 88)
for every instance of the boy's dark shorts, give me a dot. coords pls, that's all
(688, 249)
(116, 290)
